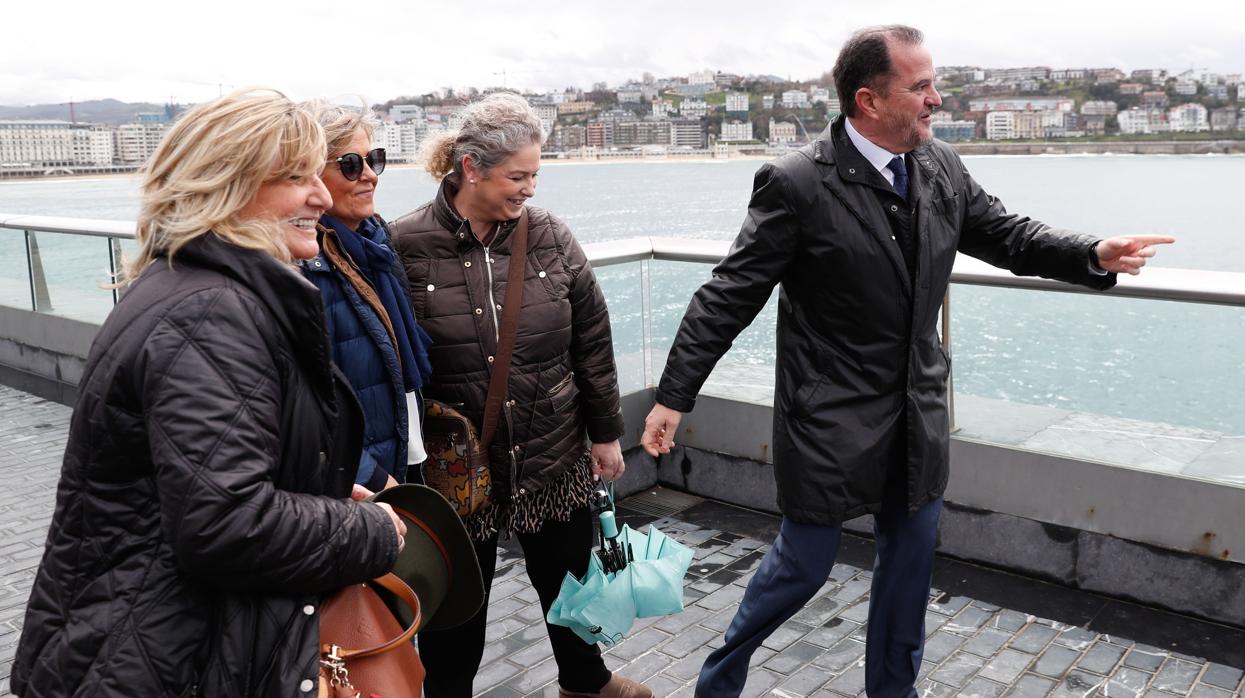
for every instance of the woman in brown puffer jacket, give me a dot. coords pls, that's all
(562, 392)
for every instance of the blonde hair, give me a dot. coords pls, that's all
(493, 129)
(340, 122)
(212, 163)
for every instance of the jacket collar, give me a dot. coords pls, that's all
(447, 217)
(835, 148)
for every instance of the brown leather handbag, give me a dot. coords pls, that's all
(364, 651)
(457, 464)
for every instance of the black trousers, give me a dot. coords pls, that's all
(451, 657)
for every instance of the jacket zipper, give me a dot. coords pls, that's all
(492, 303)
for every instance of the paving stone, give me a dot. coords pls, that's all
(786, 634)
(1031, 686)
(949, 605)
(678, 622)
(1033, 639)
(1055, 661)
(1009, 620)
(645, 666)
(1202, 690)
(1078, 684)
(1145, 658)
(940, 646)
(851, 682)
(933, 689)
(1007, 666)
(638, 644)
(687, 641)
(958, 669)
(1102, 658)
(1222, 676)
(982, 688)
(987, 642)
(934, 622)
(661, 685)
(858, 613)
(831, 632)
(535, 677)
(1078, 639)
(842, 655)
(759, 682)
(793, 657)
(804, 682)
(819, 611)
(1127, 681)
(967, 621)
(1176, 676)
(688, 668)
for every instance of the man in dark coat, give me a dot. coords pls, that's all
(861, 229)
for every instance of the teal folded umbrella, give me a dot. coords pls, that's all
(603, 605)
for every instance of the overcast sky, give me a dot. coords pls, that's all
(157, 50)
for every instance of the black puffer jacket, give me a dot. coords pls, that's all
(860, 393)
(191, 539)
(563, 381)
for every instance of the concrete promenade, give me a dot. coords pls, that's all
(990, 633)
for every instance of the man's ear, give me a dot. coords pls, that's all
(866, 102)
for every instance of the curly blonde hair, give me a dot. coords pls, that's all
(493, 129)
(212, 163)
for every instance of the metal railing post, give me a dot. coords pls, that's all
(114, 264)
(40, 299)
(646, 321)
(946, 346)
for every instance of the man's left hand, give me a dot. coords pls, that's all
(607, 460)
(1128, 254)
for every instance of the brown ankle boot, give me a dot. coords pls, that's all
(617, 687)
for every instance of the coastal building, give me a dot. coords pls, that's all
(548, 115)
(736, 103)
(949, 130)
(135, 142)
(567, 137)
(1154, 76)
(662, 108)
(1018, 74)
(1099, 108)
(795, 99)
(693, 108)
(735, 131)
(767, 101)
(629, 96)
(1141, 121)
(1190, 117)
(36, 143)
(1022, 104)
(1185, 88)
(1217, 91)
(704, 77)
(818, 95)
(781, 132)
(576, 107)
(401, 113)
(689, 133)
(1106, 76)
(1154, 99)
(599, 133)
(1069, 74)
(1223, 119)
(1000, 125)
(1094, 125)
(639, 132)
(93, 145)
(1131, 88)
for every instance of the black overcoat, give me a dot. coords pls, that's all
(861, 382)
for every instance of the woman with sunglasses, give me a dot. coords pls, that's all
(374, 338)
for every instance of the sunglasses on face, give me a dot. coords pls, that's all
(351, 164)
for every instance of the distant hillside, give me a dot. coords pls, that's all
(99, 111)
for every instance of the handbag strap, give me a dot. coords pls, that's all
(406, 595)
(506, 333)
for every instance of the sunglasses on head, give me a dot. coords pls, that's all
(351, 164)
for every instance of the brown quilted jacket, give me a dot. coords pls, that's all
(563, 383)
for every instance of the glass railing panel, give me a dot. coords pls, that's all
(76, 271)
(623, 286)
(746, 372)
(1157, 385)
(14, 270)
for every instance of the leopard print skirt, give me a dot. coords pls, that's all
(526, 513)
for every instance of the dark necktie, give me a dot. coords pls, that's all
(901, 175)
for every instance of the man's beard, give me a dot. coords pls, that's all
(908, 132)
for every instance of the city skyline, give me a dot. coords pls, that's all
(317, 49)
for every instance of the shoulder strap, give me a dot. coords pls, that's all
(506, 333)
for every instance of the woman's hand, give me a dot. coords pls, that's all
(359, 493)
(607, 460)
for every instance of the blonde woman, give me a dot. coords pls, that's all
(202, 510)
(561, 421)
(372, 334)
